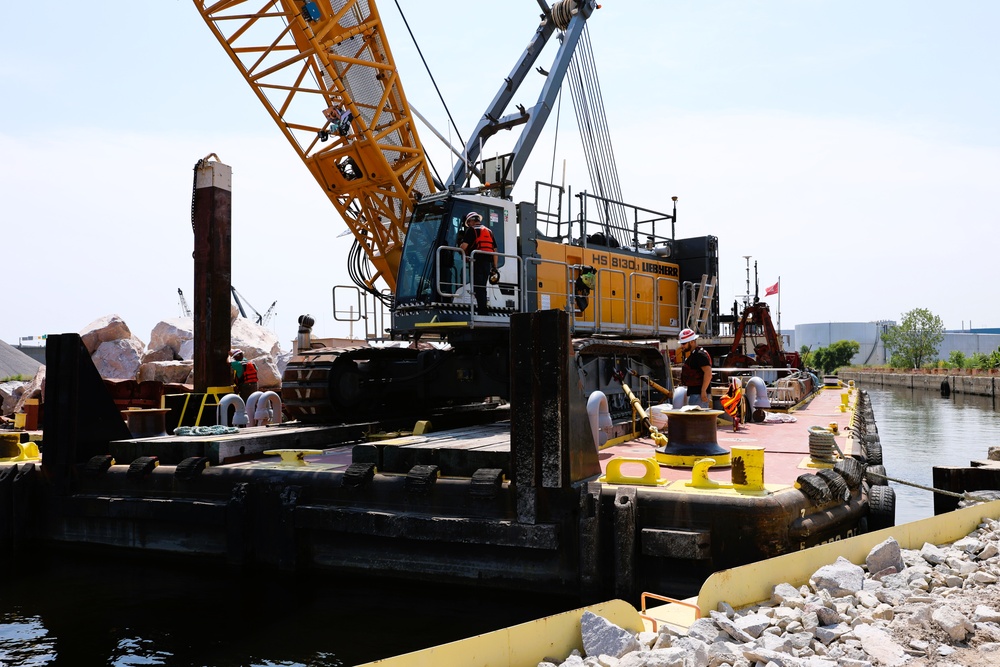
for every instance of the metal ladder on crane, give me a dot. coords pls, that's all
(701, 309)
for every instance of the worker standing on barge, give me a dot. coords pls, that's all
(696, 373)
(244, 374)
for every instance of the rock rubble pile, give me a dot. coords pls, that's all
(939, 605)
(120, 355)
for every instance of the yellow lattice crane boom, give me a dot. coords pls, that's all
(311, 63)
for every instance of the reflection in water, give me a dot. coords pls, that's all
(82, 611)
(76, 611)
(24, 640)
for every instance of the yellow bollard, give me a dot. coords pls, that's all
(650, 472)
(834, 428)
(748, 468)
(700, 478)
(844, 398)
(293, 457)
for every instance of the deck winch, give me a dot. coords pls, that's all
(692, 435)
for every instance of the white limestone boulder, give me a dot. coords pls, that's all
(34, 389)
(103, 330)
(167, 372)
(119, 359)
(10, 392)
(255, 340)
(167, 339)
(268, 376)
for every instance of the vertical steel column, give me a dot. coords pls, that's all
(211, 219)
(540, 352)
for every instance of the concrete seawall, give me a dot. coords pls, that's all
(980, 385)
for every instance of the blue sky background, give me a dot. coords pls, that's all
(849, 147)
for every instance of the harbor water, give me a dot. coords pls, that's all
(83, 610)
(920, 429)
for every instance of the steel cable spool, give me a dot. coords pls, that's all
(822, 446)
(562, 12)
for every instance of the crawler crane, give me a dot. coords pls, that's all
(616, 269)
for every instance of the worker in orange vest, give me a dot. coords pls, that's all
(244, 374)
(484, 266)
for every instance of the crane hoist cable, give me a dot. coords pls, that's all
(430, 74)
(555, 144)
(596, 138)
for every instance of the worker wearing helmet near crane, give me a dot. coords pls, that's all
(244, 374)
(696, 373)
(478, 236)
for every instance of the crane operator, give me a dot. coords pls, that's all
(478, 236)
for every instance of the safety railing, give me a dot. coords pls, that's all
(619, 302)
(463, 285)
(602, 221)
(354, 305)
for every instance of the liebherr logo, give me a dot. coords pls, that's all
(662, 269)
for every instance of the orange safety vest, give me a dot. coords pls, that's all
(484, 239)
(249, 373)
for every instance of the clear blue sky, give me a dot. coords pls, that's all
(851, 148)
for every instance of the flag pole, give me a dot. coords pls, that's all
(779, 305)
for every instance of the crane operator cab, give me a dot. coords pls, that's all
(434, 285)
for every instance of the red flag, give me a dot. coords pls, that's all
(773, 289)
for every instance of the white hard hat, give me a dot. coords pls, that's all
(472, 215)
(686, 336)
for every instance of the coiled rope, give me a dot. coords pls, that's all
(205, 430)
(822, 445)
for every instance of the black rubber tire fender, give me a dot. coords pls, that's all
(852, 470)
(191, 466)
(881, 507)
(875, 476)
(838, 486)
(814, 488)
(873, 452)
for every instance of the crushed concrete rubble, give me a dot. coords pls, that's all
(938, 605)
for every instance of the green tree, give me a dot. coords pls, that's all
(982, 361)
(915, 340)
(806, 355)
(958, 359)
(829, 359)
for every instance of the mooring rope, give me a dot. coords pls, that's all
(964, 495)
